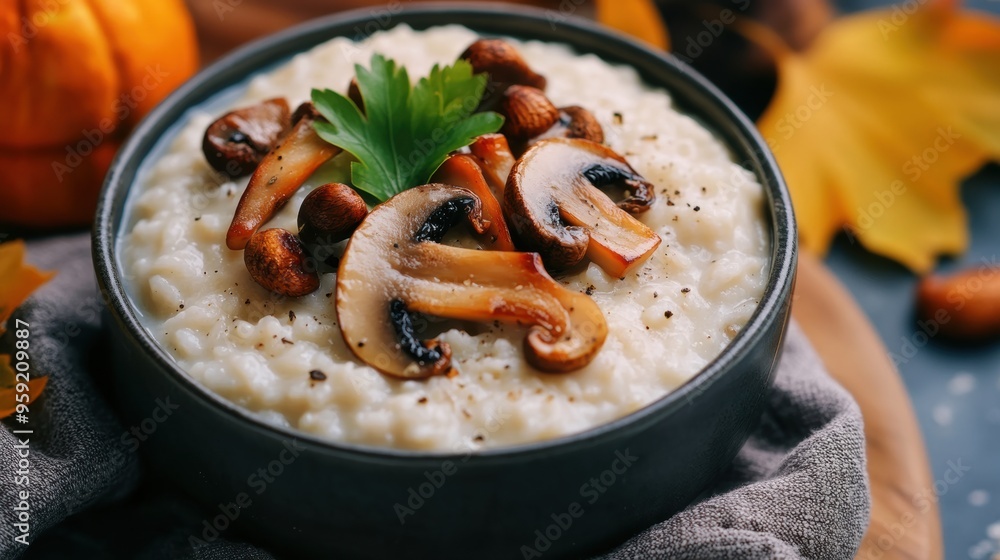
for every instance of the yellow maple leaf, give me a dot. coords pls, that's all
(17, 281)
(876, 124)
(8, 394)
(639, 18)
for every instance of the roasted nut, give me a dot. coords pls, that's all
(528, 112)
(236, 142)
(354, 94)
(964, 306)
(581, 123)
(277, 261)
(505, 67)
(502, 62)
(330, 213)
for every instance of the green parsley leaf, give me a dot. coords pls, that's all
(406, 132)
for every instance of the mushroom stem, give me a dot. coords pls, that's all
(278, 177)
(464, 171)
(394, 266)
(482, 286)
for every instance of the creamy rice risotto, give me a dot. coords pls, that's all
(666, 320)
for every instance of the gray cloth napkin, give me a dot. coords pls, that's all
(798, 488)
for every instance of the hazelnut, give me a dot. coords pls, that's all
(277, 261)
(502, 62)
(529, 113)
(331, 213)
(581, 123)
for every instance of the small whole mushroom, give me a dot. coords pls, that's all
(330, 213)
(965, 305)
(575, 122)
(236, 142)
(277, 261)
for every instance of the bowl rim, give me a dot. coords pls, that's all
(279, 47)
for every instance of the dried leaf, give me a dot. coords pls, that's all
(639, 18)
(17, 281)
(8, 388)
(877, 123)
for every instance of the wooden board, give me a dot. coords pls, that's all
(905, 522)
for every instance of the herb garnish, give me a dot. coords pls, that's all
(406, 132)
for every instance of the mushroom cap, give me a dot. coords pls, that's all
(236, 142)
(554, 205)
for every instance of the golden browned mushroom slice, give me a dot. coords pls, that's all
(496, 160)
(463, 170)
(394, 265)
(279, 175)
(555, 206)
(236, 142)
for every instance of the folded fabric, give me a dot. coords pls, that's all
(797, 489)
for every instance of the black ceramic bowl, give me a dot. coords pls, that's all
(565, 497)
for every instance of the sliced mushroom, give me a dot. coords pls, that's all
(394, 265)
(554, 205)
(463, 170)
(279, 175)
(236, 142)
(495, 159)
(504, 65)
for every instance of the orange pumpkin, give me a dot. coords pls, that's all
(75, 77)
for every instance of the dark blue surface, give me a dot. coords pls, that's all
(955, 390)
(855, 5)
